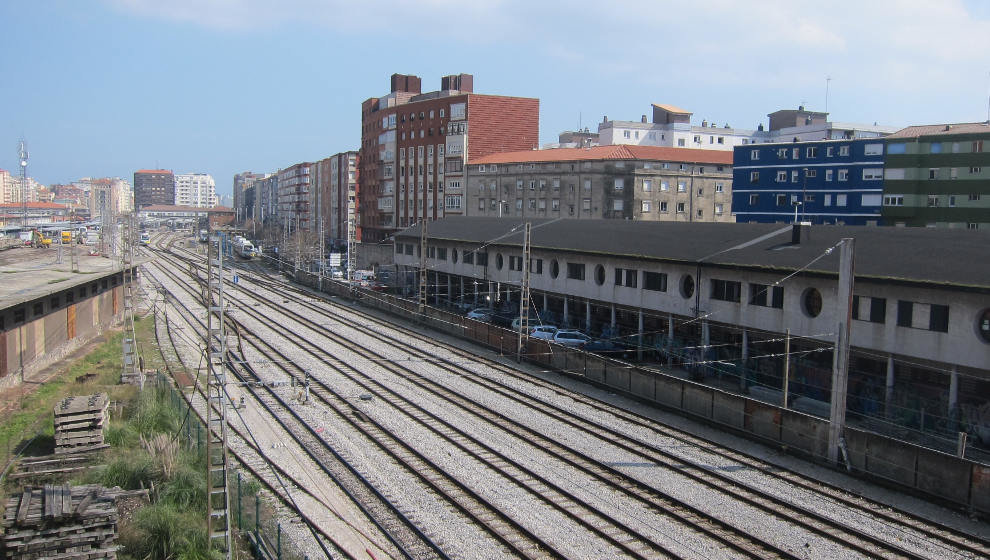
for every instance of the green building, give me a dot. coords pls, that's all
(938, 176)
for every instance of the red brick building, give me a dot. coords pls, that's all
(336, 179)
(415, 148)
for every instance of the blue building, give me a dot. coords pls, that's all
(823, 182)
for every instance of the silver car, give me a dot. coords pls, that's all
(544, 332)
(570, 337)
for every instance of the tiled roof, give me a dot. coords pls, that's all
(671, 108)
(614, 152)
(941, 129)
(35, 205)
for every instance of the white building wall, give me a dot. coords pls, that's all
(195, 189)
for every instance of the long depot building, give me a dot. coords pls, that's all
(715, 301)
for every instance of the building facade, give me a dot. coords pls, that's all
(823, 182)
(110, 196)
(266, 199)
(671, 126)
(195, 189)
(415, 147)
(336, 182)
(154, 186)
(295, 198)
(605, 182)
(243, 181)
(939, 176)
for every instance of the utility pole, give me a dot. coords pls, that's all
(422, 268)
(840, 356)
(22, 155)
(217, 497)
(524, 295)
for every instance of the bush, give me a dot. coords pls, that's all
(131, 472)
(162, 532)
(185, 490)
(121, 435)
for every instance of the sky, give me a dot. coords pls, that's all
(106, 87)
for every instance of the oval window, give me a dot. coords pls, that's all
(984, 325)
(811, 301)
(599, 275)
(687, 286)
(554, 268)
(498, 261)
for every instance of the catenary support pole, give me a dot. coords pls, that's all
(840, 356)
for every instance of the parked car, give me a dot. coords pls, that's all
(607, 348)
(533, 321)
(481, 314)
(544, 332)
(570, 337)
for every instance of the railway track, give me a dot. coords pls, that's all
(732, 538)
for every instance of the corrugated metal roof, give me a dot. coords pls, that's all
(950, 257)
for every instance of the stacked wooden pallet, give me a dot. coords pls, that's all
(61, 522)
(79, 423)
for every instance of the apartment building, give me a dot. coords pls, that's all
(823, 182)
(671, 126)
(415, 146)
(243, 181)
(336, 181)
(938, 176)
(295, 197)
(646, 183)
(195, 189)
(154, 186)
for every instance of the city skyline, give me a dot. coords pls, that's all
(107, 88)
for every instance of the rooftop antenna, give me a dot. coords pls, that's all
(828, 79)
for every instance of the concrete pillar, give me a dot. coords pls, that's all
(953, 393)
(564, 319)
(639, 335)
(745, 359)
(612, 319)
(587, 315)
(436, 288)
(450, 289)
(888, 394)
(462, 289)
(670, 332)
(544, 302)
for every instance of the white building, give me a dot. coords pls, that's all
(671, 126)
(195, 189)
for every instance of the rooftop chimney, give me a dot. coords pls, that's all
(643, 119)
(800, 231)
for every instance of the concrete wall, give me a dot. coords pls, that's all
(959, 481)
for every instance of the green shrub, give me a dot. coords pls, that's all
(132, 471)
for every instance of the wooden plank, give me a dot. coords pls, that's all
(22, 510)
(47, 511)
(66, 500)
(81, 508)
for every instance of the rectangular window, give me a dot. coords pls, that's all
(781, 176)
(810, 172)
(726, 290)
(681, 186)
(619, 184)
(587, 184)
(468, 257)
(718, 209)
(647, 185)
(843, 174)
(586, 204)
(933, 173)
(766, 296)
(781, 200)
(483, 259)
(873, 174)
(811, 152)
(663, 206)
(871, 199)
(680, 207)
(873, 149)
(719, 187)
(515, 263)
(626, 277)
(870, 309)
(939, 319)
(893, 200)
(754, 177)
(840, 199)
(782, 153)
(905, 312)
(646, 206)
(843, 151)
(654, 281)
(829, 151)
(794, 176)
(575, 271)
(933, 200)
(441, 253)
(900, 148)
(754, 154)
(536, 266)
(977, 146)
(973, 170)
(555, 204)
(828, 174)
(754, 199)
